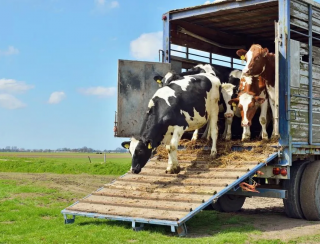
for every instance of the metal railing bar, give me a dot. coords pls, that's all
(300, 33)
(307, 97)
(310, 74)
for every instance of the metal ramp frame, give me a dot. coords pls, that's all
(178, 225)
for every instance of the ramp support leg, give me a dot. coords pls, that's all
(69, 221)
(182, 230)
(137, 228)
(173, 229)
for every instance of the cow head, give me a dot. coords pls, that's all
(227, 91)
(246, 103)
(203, 68)
(256, 59)
(140, 152)
(169, 77)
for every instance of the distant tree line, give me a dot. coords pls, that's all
(64, 149)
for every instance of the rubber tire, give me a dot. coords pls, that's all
(229, 203)
(310, 191)
(214, 206)
(292, 206)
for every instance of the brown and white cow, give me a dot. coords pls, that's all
(252, 94)
(262, 63)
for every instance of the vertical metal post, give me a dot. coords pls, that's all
(166, 37)
(210, 57)
(284, 80)
(231, 63)
(187, 53)
(284, 75)
(310, 75)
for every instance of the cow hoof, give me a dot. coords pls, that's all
(245, 139)
(173, 170)
(213, 154)
(228, 138)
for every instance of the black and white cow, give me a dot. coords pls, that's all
(182, 105)
(230, 79)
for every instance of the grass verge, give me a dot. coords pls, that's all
(115, 166)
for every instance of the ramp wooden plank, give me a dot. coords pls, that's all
(194, 171)
(128, 212)
(183, 181)
(201, 175)
(166, 188)
(140, 203)
(176, 197)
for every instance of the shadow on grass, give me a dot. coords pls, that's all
(205, 224)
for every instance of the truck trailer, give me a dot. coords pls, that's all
(211, 34)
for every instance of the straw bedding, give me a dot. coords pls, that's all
(199, 150)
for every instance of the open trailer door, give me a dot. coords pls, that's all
(136, 87)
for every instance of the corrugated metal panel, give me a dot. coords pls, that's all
(247, 24)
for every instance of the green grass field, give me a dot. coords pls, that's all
(31, 204)
(67, 163)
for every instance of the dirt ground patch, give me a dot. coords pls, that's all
(266, 214)
(81, 184)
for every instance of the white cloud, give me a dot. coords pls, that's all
(114, 4)
(206, 2)
(56, 97)
(147, 45)
(98, 91)
(8, 101)
(102, 5)
(11, 50)
(13, 86)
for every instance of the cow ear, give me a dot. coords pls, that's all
(265, 52)
(259, 100)
(242, 53)
(234, 101)
(158, 79)
(125, 144)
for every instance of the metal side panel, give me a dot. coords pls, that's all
(136, 87)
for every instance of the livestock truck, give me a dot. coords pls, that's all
(212, 33)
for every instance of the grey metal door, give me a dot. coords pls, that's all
(136, 87)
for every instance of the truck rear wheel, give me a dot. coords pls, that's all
(229, 203)
(310, 191)
(292, 206)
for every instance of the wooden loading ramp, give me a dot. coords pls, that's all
(154, 197)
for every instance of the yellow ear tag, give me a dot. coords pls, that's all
(234, 106)
(149, 146)
(159, 81)
(126, 146)
(242, 58)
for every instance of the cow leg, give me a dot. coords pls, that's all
(246, 134)
(275, 132)
(206, 132)
(227, 129)
(173, 164)
(195, 135)
(214, 127)
(263, 119)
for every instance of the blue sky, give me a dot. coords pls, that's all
(58, 67)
